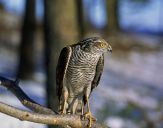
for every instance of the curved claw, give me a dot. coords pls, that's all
(62, 112)
(90, 118)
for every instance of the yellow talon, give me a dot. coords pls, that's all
(89, 114)
(90, 118)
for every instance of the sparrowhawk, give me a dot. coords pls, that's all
(78, 72)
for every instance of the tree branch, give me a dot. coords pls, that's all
(40, 114)
(72, 121)
(23, 98)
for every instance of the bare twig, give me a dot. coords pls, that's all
(24, 99)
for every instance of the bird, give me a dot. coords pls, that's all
(78, 72)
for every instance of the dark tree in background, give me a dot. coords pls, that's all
(80, 18)
(60, 29)
(26, 60)
(112, 15)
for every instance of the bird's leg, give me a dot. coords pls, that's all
(65, 97)
(89, 114)
(82, 108)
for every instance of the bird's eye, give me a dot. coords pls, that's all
(102, 45)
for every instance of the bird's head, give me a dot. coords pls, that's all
(95, 45)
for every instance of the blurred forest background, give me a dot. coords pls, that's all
(32, 33)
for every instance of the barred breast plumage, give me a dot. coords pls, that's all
(79, 70)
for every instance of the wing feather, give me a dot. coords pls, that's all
(99, 70)
(62, 68)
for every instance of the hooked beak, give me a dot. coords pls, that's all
(109, 48)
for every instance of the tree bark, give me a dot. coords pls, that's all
(26, 50)
(60, 29)
(112, 15)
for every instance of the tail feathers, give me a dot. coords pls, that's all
(80, 108)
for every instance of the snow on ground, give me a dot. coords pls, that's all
(35, 91)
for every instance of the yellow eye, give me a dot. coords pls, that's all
(102, 45)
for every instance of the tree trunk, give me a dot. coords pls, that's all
(80, 18)
(60, 28)
(26, 61)
(113, 15)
